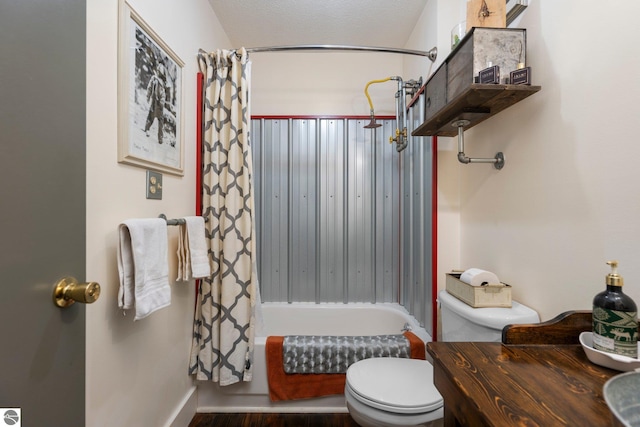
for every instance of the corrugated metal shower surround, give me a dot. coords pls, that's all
(341, 218)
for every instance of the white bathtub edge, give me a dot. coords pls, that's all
(253, 396)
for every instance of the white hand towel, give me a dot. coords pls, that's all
(143, 266)
(197, 247)
(184, 269)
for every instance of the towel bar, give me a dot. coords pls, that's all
(177, 221)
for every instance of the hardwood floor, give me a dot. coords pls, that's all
(272, 420)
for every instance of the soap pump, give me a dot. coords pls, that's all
(615, 318)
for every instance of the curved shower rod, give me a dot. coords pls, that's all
(431, 54)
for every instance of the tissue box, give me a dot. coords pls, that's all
(492, 295)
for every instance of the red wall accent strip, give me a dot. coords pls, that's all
(434, 235)
(415, 97)
(199, 148)
(199, 145)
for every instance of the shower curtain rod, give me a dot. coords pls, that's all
(431, 54)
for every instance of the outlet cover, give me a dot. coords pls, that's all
(154, 185)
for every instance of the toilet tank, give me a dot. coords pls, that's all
(461, 322)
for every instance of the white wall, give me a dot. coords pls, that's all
(137, 371)
(322, 83)
(566, 201)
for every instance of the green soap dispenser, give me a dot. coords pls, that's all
(615, 318)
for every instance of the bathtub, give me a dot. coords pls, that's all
(303, 319)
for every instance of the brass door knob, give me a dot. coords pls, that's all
(68, 290)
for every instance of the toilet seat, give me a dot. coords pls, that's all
(397, 385)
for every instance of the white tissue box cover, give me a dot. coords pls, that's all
(491, 295)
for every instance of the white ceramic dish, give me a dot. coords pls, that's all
(608, 360)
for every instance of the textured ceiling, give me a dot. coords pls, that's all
(260, 23)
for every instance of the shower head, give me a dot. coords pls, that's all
(372, 124)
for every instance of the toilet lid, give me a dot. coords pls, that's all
(394, 384)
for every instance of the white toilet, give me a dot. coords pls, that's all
(388, 391)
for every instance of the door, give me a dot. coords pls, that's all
(42, 210)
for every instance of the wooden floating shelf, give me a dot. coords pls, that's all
(477, 103)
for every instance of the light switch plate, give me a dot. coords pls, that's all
(154, 185)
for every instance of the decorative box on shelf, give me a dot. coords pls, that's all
(491, 295)
(451, 92)
(481, 48)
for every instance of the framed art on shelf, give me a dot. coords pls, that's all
(150, 108)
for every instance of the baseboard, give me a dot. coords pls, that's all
(186, 410)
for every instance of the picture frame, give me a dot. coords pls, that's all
(150, 97)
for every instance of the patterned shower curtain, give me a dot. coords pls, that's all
(224, 324)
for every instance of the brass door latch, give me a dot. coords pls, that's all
(68, 290)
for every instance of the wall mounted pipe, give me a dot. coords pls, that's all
(410, 88)
(498, 160)
(401, 116)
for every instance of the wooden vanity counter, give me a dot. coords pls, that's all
(494, 384)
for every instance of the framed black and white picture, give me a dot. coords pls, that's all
(150, 110)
